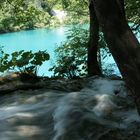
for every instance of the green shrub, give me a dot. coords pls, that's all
(22, 62)
(72, 54)
(71, 61)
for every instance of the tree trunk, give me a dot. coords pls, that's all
(122, 43)
(93, 66)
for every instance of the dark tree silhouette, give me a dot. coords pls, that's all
(122, 43)
(93, 67)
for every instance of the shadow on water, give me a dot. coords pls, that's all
(26, 116)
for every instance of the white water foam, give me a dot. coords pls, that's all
(95, 102)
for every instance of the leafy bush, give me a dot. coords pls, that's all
(22, 62)
(72, 55)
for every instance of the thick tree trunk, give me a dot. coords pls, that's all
(93, 66)
(122, 43)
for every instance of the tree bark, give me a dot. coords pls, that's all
(93, 66)
(122, 43)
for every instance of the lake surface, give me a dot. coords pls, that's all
(35, 40)
(42, 39)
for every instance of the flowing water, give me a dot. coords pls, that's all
(58, 115)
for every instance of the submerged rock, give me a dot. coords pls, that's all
(85, 109)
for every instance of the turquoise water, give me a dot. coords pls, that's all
(35, 40)
(42, 39)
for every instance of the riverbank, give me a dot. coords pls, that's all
(41, 21)
(14, 82)
(54, 23)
